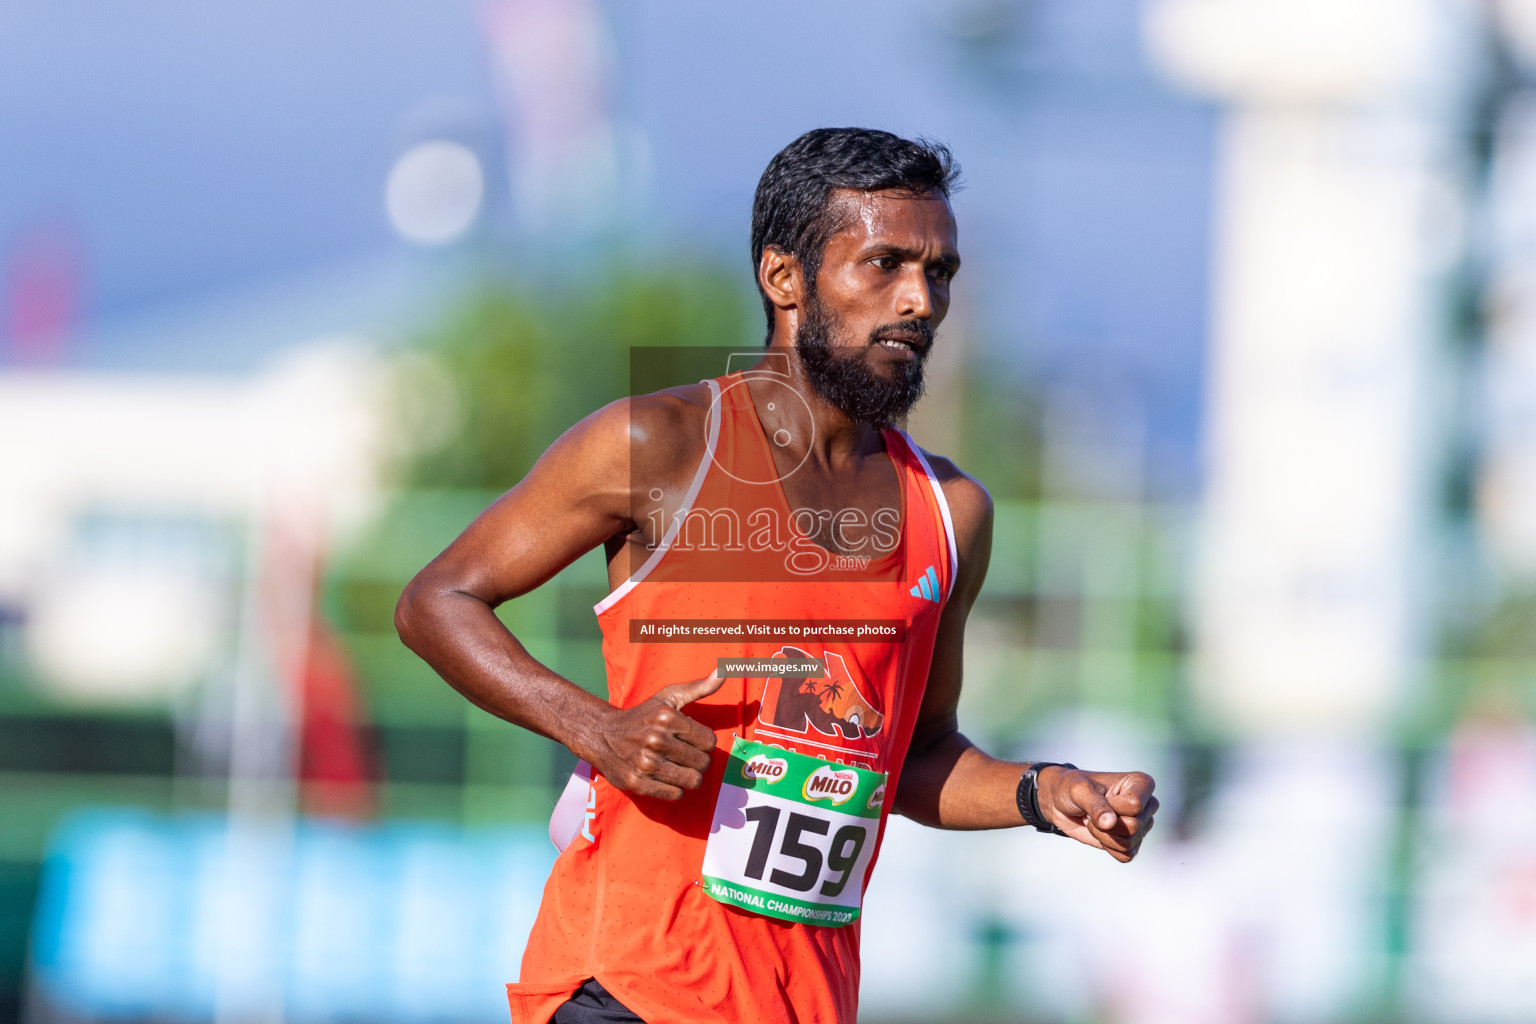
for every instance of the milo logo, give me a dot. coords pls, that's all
(877, 797)
(827, 783)
(761, 766)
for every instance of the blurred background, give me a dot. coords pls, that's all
(1245, 349)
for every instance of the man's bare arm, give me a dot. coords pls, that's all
(947, 781)
(574, 499)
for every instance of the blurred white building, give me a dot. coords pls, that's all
(1337, 226)
(130, 502)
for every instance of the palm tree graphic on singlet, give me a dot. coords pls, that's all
(831, 704)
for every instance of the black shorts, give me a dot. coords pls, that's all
(593, 1005)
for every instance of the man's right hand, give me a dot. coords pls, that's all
(653, 749)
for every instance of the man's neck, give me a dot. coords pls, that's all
(834, 438)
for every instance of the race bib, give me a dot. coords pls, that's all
(792, 835)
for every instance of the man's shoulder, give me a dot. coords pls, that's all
(970, 513)
(666, 414)
(660, 431)
(970, 503)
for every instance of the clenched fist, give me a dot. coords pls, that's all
(653, 749)
(1110, 810)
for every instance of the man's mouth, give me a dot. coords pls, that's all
(906, 348)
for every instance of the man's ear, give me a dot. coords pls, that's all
(781, 277)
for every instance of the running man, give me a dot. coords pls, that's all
(791, 576)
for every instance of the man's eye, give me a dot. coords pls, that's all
(887, 262)
(943, 273)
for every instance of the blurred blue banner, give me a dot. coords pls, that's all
(142, 916)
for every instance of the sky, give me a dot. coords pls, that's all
(187, 159)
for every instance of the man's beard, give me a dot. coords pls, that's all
(847, 382)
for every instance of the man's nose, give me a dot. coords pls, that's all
(916, 296)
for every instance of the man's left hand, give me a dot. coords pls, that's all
(1110, 810)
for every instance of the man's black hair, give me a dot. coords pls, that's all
(792, 209)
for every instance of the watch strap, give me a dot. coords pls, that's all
(1028, 796)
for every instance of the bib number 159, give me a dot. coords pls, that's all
(792, 835)
(841, 854)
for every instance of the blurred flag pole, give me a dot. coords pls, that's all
(259, 838)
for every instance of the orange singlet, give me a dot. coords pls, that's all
(624, 903)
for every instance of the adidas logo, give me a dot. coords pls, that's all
(927, 586)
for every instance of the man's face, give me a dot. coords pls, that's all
(868, 320)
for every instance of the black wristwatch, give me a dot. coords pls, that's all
(1028, 796)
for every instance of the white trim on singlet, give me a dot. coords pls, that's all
(949, 524)
(715, 414)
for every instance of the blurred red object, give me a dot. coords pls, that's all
(337, 766)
